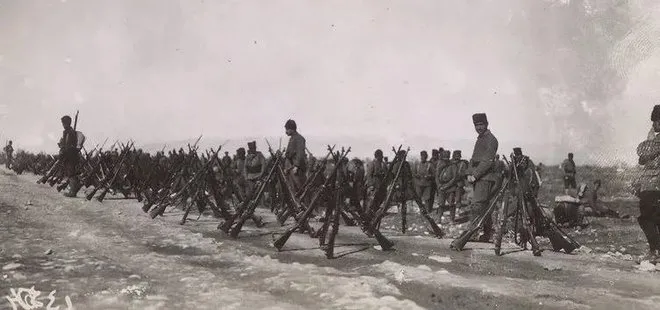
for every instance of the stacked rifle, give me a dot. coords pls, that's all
(530, 221)
(199, 181)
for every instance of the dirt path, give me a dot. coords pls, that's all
(111, 255)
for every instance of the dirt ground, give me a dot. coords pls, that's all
(111, 255)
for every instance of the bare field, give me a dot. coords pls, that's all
(111, 255)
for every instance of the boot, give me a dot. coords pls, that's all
(652, 234)
(653, 256)
(74, 187)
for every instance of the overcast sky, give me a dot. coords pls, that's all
(158, 70)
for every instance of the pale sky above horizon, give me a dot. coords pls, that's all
(173, 69)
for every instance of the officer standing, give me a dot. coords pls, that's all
(481, 172)
(70, 156)
(649, 188)
(295, 164)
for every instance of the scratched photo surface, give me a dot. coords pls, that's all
(290, 154)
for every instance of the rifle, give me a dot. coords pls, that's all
(105, 183)
(558, 238)
(170, 198)
(304, 218)
(525, 214)
(477, 222)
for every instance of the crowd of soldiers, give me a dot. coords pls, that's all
(440, 180)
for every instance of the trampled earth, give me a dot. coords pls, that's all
(111, 255)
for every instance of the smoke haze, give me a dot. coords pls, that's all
(553, 76)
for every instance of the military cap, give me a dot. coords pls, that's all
(241, 150)
(66, 119)
(456, 154)
(378, 153)
(290, 124)
(252, 144)
(434, 152)
(517, 151)
(655, 115)
(424, 153)
(479, 118)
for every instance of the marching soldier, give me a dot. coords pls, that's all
(9, 151)
(569, 173)
(648, 188)
(424, 180)
(254, 168)
(295, 164)
(481, 173)
(70, 156)
(442, 177)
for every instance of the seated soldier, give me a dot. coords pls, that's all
(595, 208)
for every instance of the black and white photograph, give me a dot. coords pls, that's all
(337, 154)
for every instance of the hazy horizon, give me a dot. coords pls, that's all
(383, 72)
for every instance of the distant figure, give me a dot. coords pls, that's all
(443, 175)
(295, 158)
(311, 164)
(569, 173)
(454, 189)
(255, 168)
(238, 168)
(226, 160)
(70, 156)
(9, 151)
(597, 208)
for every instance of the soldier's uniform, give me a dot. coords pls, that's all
(482, 168)
(356, 175)
(70, 156)
(454, 188)
(226, 160)
(295, 157)
(649, 188)
(255, 168)
(569, 173)
(442, 177)
(375, 175)
(423, 172)
(237, 171)
(311, 163)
